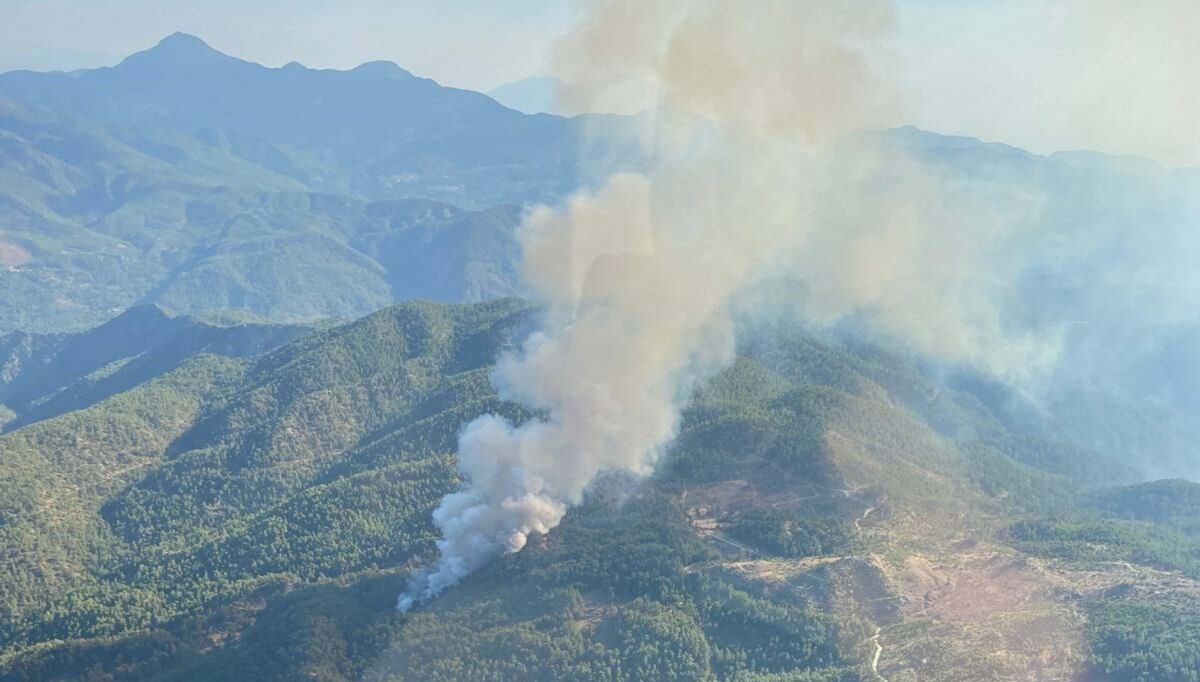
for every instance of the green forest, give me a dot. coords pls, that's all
(256, 516)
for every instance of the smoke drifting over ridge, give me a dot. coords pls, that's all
(755, 176)
(637, 275)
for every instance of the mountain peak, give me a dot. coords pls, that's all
(177, 50)
(383, 69)
(179, 39)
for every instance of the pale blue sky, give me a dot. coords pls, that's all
(468, 43)
(1112, 75)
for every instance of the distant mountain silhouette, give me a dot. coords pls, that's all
(376, 130)
(186, 176)
(191, 178)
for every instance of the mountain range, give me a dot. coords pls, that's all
(198, 181)
(245, 313)
(187, 177)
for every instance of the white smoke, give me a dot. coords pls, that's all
(637, 276)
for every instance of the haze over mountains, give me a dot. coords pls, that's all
(183, 174)
(225, 423)
(195, 180)
(190, 178)
(552, 95)
(376, 131)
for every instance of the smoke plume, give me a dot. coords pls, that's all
(1062, 272)
(636, 276)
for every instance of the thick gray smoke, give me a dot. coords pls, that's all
(991, 259)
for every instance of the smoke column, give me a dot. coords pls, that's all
(637, 275)
(1043, 273)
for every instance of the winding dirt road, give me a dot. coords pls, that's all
(875, 658)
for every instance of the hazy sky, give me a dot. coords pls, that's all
(468, 43)
(1112, 75)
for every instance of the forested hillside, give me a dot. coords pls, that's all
(44, 375)
(281, 256)
(190, 178)
(255, 517)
